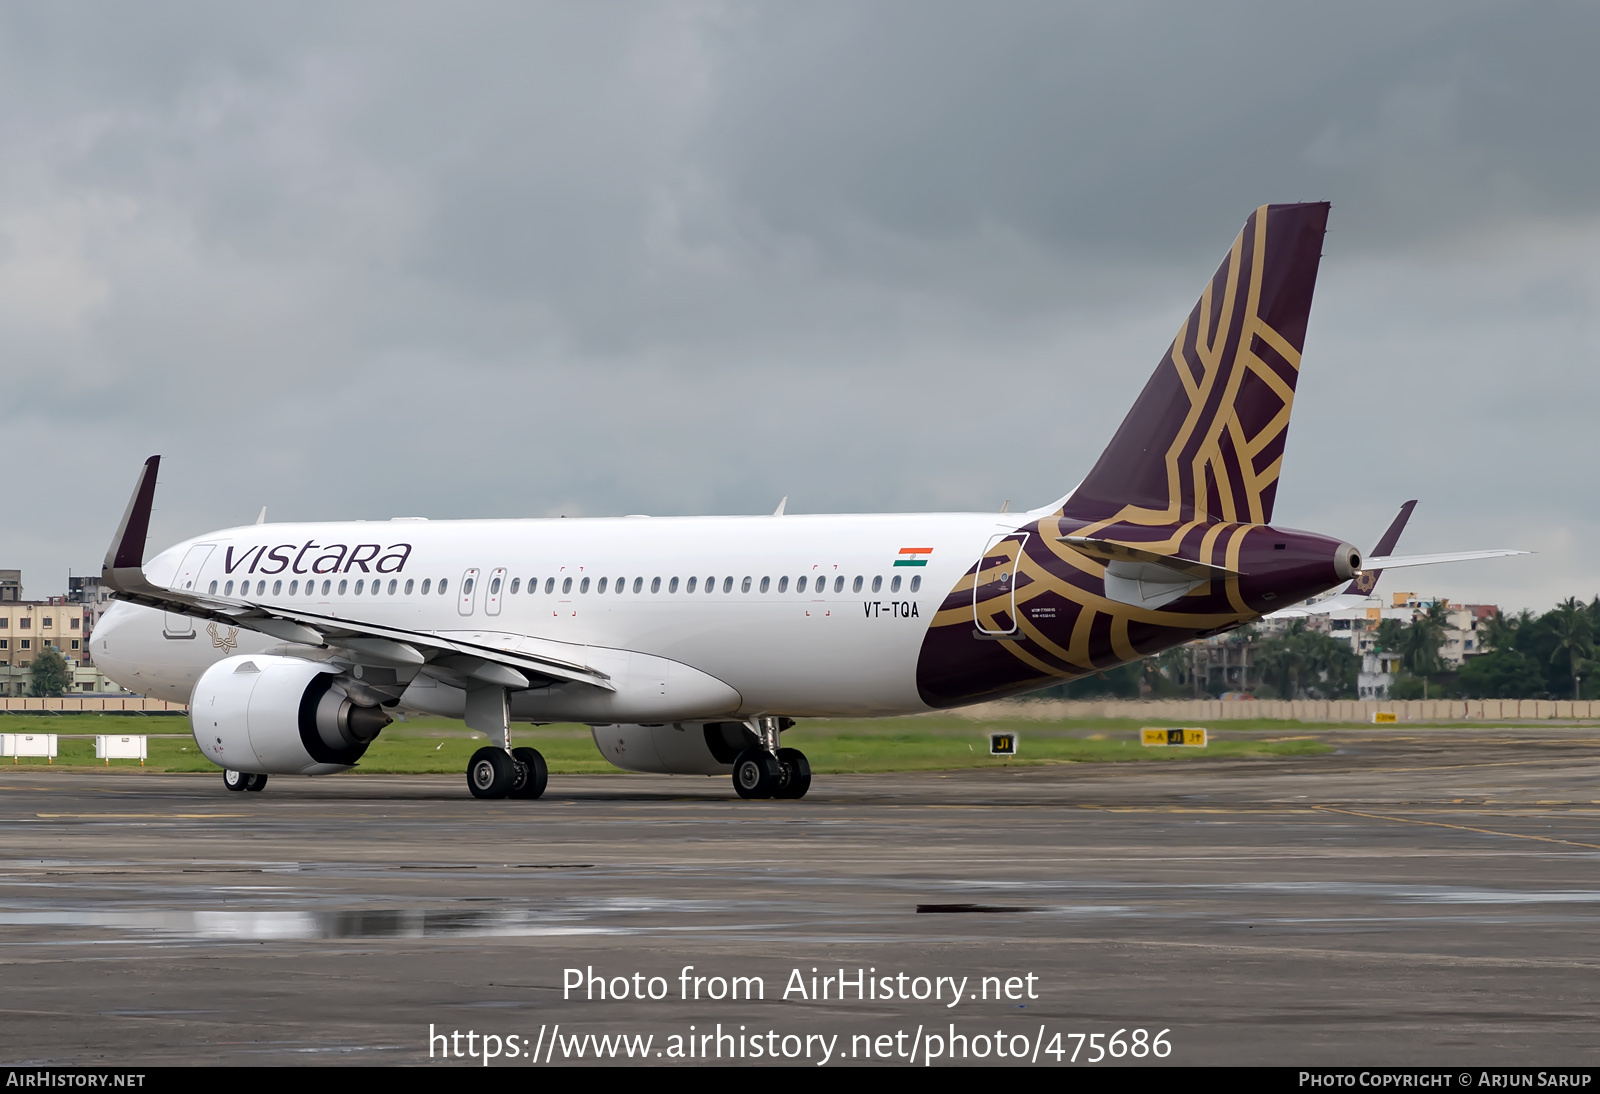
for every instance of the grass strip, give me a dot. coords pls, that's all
(927, 743)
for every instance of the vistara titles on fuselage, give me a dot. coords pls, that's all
(690, 644)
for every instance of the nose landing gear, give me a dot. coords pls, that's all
(243, 780)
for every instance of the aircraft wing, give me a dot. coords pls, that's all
(1395, 562)
(123, 574)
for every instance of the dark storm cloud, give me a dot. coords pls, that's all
(505, 259)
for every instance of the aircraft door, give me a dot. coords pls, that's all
(188, 581)
(469, 592)
(494, 591)
(994, 587)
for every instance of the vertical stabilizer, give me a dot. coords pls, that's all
(1367, 580)
(1205, 439)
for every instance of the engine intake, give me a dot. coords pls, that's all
(270, 714)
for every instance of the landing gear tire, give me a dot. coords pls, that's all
(532, 774)
(233, 780)
(255, 782)
(756, 773)
(797, 774)
(491, 773)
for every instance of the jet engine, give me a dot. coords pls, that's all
(270, 714)
(676, 748)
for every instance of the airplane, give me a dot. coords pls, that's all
(689, 644)
(1358, 594)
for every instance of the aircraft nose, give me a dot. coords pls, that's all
(106, 645)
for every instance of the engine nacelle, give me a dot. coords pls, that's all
(678, 748)
(277, 715)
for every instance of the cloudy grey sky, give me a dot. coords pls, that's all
(362, 260)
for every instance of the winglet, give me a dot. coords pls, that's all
(124, 565)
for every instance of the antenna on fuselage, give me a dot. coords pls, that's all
(778, 512)
(261, 517)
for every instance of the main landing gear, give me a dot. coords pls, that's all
(500, 771)
(767, 771)
(495, 773)
(243, 780)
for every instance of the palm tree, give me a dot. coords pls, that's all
(1574, 637)
(1498, 631)
(1423, 639)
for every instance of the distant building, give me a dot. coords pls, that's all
(62, 622)
(1227, 662)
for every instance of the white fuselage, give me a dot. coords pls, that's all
(719, 596)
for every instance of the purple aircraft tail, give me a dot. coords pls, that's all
(1205, 439)
(1367, 580)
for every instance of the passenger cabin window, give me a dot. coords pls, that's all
(277, 587)
(550, 584)
(583, 586)
(294, 587)
(877, 583)
(783, 584)
(672, 586)
(894, 584)
(342, 586)
(444, 583)
(766, 583)
(855, 586)
(727, 584)
(602, 587)
(393, 584)
(655, 584)
(622, 584)
(466, 587)
(566, 586)
(800, 585)
(409, 584)
(213, 588)
(638, 584)
(516, 583)
(326, 585)
(427, 581)
(494, 586)
(359, 583)
(838, 583)
(689, 585)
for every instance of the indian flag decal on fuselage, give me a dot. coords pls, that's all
(913, 556)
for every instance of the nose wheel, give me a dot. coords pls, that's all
(243, 780)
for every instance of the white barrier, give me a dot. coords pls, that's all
(122, 748)
(28, 744)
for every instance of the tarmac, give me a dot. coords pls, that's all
(1419, 896)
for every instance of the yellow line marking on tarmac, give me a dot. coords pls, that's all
(1459, 827)
(145, 816)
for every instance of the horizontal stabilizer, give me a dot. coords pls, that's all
(1343, 602)
(1396, 562)
(1143, 578)
(1106, 550)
